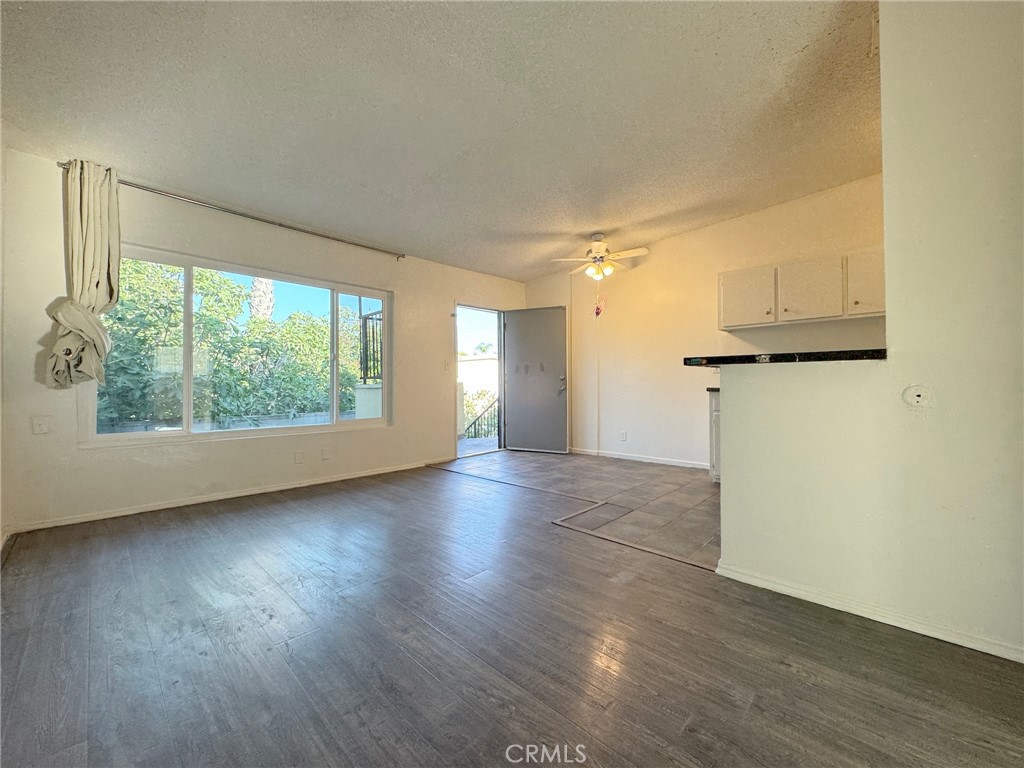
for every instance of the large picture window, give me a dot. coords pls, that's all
(360, 356)
(202, 350)
(261, 352)
(143, 372)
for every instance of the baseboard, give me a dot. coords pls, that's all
(639, 457)
(5, 549)
(875, 613)
(202, 498)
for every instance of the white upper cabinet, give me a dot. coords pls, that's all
(811, 290)
(746, 297)
(826, 288)
(865, 280)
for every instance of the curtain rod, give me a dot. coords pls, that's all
(253, 217)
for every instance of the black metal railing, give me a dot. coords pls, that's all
(371, 345)
(486, 424)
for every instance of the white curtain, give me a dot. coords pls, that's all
(92, 233)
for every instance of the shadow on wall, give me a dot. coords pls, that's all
(46, 342)
(42, 361)
(814, 337)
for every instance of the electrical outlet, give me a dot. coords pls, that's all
(622, 435)
(299, 457)
(325, 454)
(40, 425)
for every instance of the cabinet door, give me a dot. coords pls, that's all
(865, 284)
(746, 297)
(716, 444)
(811, 290)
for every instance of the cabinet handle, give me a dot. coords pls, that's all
(767, 311)
(856, 303)
(785, 309)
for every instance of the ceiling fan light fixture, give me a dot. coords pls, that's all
(600, 262)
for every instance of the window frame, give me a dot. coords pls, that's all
(88, 391)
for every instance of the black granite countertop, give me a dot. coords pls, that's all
(786, 357)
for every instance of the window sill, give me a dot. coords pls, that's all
(128, 439)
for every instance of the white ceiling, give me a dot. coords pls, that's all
(492, 136)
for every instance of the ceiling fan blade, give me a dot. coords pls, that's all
(630, 254)
(620, 265)
(571, 259)
(580, 268)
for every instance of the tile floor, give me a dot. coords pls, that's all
(670, 510)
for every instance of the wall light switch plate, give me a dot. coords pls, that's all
(40, 425)
(622, 435)
(299, 457)
(325, 454)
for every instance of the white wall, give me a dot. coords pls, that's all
(834, 489)
(627, 371)
(3, 190)
(479, 373)
(50, 479)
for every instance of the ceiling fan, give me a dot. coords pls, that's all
(600, 261)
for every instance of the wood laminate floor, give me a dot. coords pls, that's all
(432, 618)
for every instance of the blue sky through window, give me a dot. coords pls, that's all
(352, 302)
(292, 297)
(475, 327)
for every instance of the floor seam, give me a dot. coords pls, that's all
(561, 522)
(517, 485)
(630, 544)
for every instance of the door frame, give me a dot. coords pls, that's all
(501, 370)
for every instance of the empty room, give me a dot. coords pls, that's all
(512, 383)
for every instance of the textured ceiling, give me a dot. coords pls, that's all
(492, 136)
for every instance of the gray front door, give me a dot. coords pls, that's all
(536, 389)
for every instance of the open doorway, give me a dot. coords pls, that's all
(478, 400)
